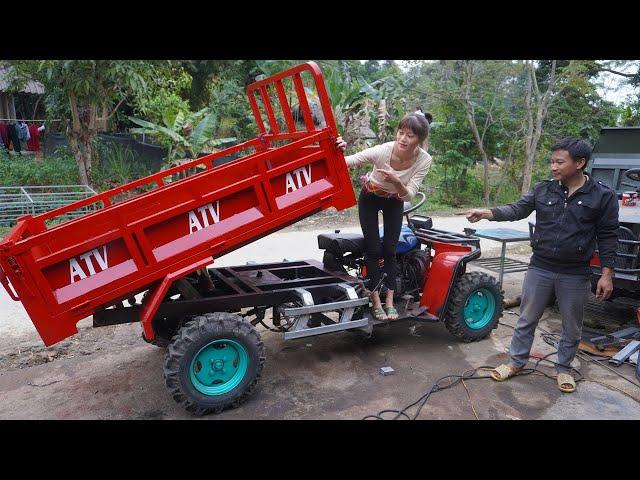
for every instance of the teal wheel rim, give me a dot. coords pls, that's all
(479, 308)
(219, 367)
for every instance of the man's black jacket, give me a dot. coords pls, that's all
(567, 228)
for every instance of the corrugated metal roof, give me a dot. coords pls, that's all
(30, 87)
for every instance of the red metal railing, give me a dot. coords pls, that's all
(66, 272)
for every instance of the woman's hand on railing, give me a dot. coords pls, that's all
(341, 144)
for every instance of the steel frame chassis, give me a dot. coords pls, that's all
(306, 282)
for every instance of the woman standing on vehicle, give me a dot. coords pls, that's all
(396, 176)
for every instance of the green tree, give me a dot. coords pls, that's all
(480, 90)
(483, 86)
(85, 93)
(164, 93)
(545, 83)
(518, 109)
(206, 73)
(228, 99)
(579, 111)
(630, 114)
(629, 70)
(454, 151)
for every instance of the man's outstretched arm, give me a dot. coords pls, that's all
(517, 210)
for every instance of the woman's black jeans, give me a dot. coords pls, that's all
(369, 205)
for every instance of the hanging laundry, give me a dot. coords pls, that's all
(4, 133)
(23, 134)
(13, 137)
(33, 143)
(23, 131)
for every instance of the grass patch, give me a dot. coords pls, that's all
(3, 231)
(19, 171)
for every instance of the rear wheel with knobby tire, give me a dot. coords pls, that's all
(214, 363)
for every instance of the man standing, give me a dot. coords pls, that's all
(573, 212)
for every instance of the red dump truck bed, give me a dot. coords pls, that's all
(63, 273)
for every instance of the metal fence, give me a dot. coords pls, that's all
(34, 200)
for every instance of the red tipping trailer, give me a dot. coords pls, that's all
(69, 271)
(157, 236)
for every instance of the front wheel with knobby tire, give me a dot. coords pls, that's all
(214, 363)
(474, 307)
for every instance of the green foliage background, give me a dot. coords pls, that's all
(374, 93)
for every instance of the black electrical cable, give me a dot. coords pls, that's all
(580, 375)
(594, 356)
(589, 358)
(582, 355)
(548, 338)
(436, 387)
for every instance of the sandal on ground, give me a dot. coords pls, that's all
(504, 372)
(566, 383)
(379, 313)
(392, 313)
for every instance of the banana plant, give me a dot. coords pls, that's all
(179, 134)
(347, 99)
(389, 94)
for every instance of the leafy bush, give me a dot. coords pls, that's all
(3, 231)
(228, 101)
(510, 192)
(22, 170)
(457, 183)
(118, 165)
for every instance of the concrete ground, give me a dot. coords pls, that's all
(111, 373)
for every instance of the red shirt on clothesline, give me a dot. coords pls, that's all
(33, 143)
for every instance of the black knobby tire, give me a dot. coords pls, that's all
(465, 286)
(192, 337)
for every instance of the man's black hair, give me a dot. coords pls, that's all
(576, 147)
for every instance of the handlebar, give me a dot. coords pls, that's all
(417, 205)
(443, 236)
